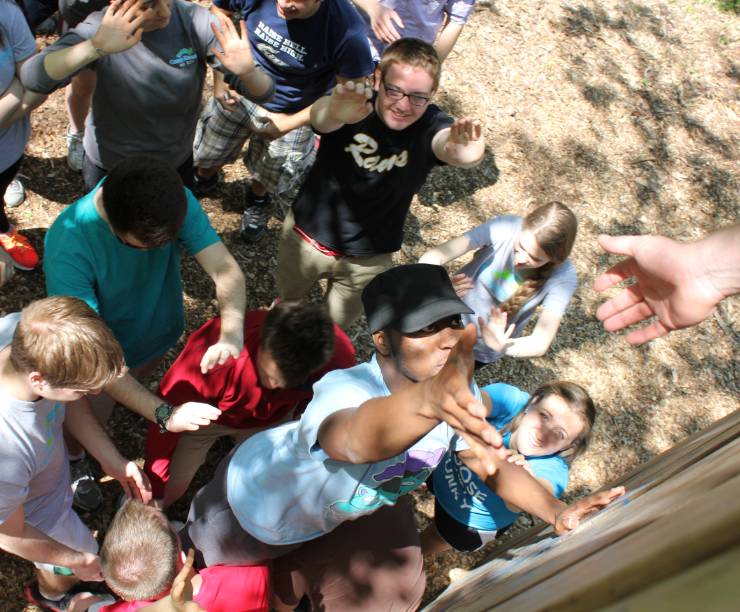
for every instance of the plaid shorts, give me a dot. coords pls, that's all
(280, 164)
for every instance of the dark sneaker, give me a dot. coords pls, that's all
(34, 597)
(256, 214)
(204, 186)
(87, 495)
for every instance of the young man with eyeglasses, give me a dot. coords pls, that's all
(377, 149)
(118, 249)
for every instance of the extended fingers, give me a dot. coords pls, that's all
(616, 274)
(650, 332)
(629, 296)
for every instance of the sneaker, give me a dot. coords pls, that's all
(16, 245)
(87, 495)
(204, 186)
(14, 194)
(256, 214)
(75, 150)
(35, 598)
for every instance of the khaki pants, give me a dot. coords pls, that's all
(300, 265)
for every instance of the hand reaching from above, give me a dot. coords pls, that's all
(383, 21)
(237, 53)
(572, 515)
(350, 102)
(133, 480)
(671, 284)
(494, 332)
(120, 28)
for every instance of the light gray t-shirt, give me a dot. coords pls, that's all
(283, 488)
(34, 470)
(494, 281)
(16, 44)
(147, 98)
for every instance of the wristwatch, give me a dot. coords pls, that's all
(162, 414)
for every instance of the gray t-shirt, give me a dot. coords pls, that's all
(16, 44)
(492, 271)
(34, 470)
(146, 99)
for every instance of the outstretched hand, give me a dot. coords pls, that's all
(181, 594)
(461, 283)
(237, 53)
(670, 285)
(133, 480)
(572, 515)
(462, 132)
(453, 401)
(495, 332)
(120, 29)
(350, 102)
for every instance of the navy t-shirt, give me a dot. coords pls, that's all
(358, 193)
(304, 55)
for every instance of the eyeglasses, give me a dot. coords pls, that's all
(398, 94)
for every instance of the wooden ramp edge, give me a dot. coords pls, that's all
(681, 509)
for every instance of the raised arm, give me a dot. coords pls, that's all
(386, 426)
(678, 283)
(237, 58)
(231, 293)
(349, 102)
(120, 29)
(461, 144)
(497, 334)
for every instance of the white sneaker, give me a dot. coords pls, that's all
(75, 150)
(14, 194)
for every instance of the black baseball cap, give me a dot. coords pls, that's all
(410, 297)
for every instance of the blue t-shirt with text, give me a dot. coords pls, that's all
(465, 497)
(304, 55)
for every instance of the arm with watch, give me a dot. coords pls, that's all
(119, 30)
(188, 416)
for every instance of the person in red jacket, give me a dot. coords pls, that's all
(286, 350)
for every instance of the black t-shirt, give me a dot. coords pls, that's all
(358, 192)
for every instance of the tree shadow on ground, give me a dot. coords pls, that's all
(655, 107)
(52, 179)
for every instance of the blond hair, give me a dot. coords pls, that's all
(554, 226)
(414, 52)
(140, 552)
(66, 341)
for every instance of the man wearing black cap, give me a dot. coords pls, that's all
(371, 434)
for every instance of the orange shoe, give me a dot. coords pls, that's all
(24, 256)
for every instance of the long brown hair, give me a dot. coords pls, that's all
(578, 400)
(554, 227)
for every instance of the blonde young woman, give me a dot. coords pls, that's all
(520, 264)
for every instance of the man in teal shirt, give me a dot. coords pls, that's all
(118, 249)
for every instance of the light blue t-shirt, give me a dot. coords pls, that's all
(283, 488)
(138, 293)
(495, 281)
(34, 470)
(16, 44)
(465, 497)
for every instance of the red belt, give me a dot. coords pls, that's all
(325, 250)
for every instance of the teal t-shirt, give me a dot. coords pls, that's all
(465, 497)
(138, 293)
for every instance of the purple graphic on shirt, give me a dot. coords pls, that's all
(416, 460)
